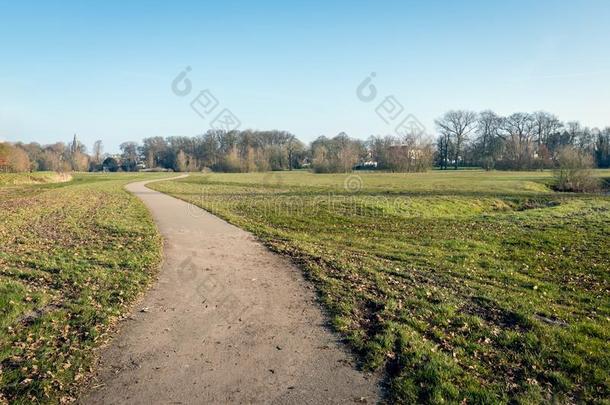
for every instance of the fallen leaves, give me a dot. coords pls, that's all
(72, 259)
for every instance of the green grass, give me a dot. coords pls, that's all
(462, 286)
(73, 256)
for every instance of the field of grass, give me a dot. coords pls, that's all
(73, 255)
(14, 179)
(463, 286)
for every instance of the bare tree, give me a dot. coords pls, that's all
(519, 130)
(181, 161)
(290, 147)
(488, 143)
(546, 124)
(98, 150)
(443, 145)
(129, 156)
(457, 124)
(573, 131)
(602, 148)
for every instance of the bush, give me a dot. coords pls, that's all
(13, 159)
(575, 172)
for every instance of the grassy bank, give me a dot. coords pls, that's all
(463, 286)
(73, 256)
(16, 179)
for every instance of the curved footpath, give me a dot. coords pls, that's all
(228, 321)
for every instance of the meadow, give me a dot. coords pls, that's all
(467, 286)
(73, 256)
(16, 179)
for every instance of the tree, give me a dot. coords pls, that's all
(573, 131)
(378, 150)
(337, 155)
(346, 152)
(519, 130)
(110, 164)
(98, 150)
(545, 125)
(13, 158)
(443, 145)
(76, 156)
(155, 152)
(79, 161)
(457, 125)
(181, 161)
(408, 153)
(321, 160)
(296, 151)
(602, 148)
(129, 156)
(488, 144)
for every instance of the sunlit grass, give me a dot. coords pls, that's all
(484, 287)
(15, 179)
(72, 257)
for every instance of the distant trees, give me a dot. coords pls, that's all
(129, 156)
(233, 151)
(408, 154)
(96, 155)
(296, 151)
(518, 133)
(248, 151)
(455, 127)
(110, 164)
(55, 157)
(602, 148)
(488, 144)
(154, 151)
(77, 156)
(13, 159)
(519, 141)
(336, 155)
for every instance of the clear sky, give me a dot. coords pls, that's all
(103, 69)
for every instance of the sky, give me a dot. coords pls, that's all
(104, 70)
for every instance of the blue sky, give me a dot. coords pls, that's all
(104, 70)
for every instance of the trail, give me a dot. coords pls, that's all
(228, 321)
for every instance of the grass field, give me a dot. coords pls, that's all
(462, 286)
(73, 255)
(15, 179)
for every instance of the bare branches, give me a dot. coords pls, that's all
(518, 141)
(457, 125)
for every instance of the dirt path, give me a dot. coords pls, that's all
(227, 322)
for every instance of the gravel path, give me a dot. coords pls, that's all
(228, 321)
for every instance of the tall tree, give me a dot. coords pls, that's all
(488, 144)
(457, 124)
(602, 148)
(129, 156)
(519, 130)
(98, 150)
(545, 125)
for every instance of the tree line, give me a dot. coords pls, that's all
(59, 157)
(520, 141)
(233, 151)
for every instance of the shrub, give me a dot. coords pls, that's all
(575, 172)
